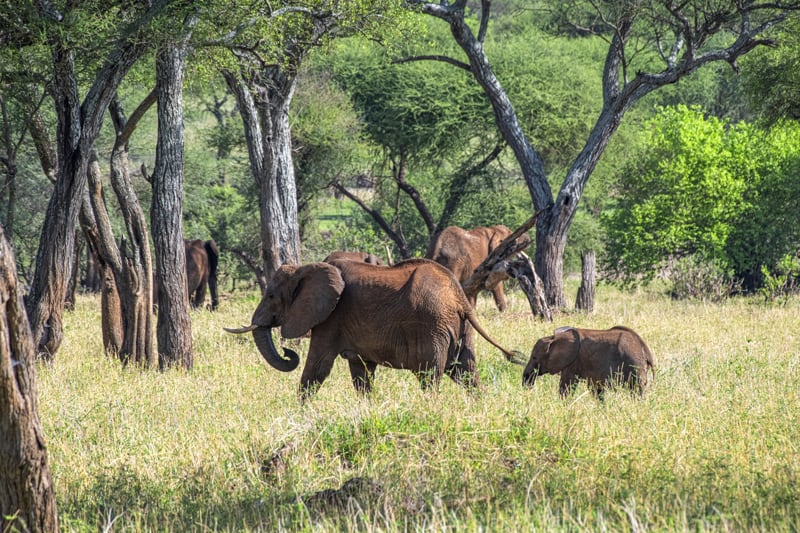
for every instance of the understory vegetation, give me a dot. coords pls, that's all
(712, 446)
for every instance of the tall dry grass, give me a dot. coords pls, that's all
(713, 446)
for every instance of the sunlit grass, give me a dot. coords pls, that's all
(714, 445)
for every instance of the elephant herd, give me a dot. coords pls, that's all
(414, 315)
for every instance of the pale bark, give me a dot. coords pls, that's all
(585, 298)
(174, 327)
(264, 108)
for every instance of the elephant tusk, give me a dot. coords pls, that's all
(243, 329)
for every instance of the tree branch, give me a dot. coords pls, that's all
(402, 246)
(444, 59)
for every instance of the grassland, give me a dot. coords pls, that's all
(713, 446)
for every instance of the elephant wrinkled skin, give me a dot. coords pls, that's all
(602, 356)
(409, 316)
(463, 250)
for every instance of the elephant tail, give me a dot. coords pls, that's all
(514, 356)
(213, 259)
(650, 364)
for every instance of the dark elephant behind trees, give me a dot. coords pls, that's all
(412, 316)
(201, 271)
(202, 258)
(463, 250)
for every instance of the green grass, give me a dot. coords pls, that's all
(713, 446)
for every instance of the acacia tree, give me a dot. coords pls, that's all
(650, 45)
(264, 80)
(79, 123)
(417, 137)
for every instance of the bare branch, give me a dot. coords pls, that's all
(485, 9)
(378, 218)
(510, 246)
(136, 116)
(444, 59)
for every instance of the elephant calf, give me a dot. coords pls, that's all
(601, 356)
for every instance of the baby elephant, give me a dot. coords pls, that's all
(602, 356)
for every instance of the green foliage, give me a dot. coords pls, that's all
(771, 77)
(553, 84)
(705, 186)
(425, 110)
(769, 226)
(326, 140)
(780, 283)
(677, 198)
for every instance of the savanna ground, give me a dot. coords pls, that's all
(713, 446)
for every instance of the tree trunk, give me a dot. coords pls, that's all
(174, 327)
(10, 162)
(548, 261)
(78, 126)
(133, 273)
(75, 273)
(54, 257)
(27, 500)
(269, 143)
(585, 299)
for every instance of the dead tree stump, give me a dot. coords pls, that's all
(585, 299)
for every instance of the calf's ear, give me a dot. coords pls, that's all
(562, 351)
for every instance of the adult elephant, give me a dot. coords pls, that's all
(201, 271)
(410, 316)
(463, 250)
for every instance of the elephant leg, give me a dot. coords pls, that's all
(429, 377)
(499, 297)
(315, 372)
(464, 369)
(598, 388)
(362, 373)
(568, 383)
(199, 295)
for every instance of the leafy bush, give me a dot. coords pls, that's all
(781, 282)
(706, 186)
(698, 278)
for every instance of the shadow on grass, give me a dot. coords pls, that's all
(124, 500)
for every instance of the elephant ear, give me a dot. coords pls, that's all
(499, 232)
(316, 291)
(563, 349)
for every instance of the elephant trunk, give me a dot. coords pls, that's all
(529, 377)
(263, 338)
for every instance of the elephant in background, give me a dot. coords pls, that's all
(602, 356)
(364, 257)
(463, 250)
(409, 316)
(201, 272)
